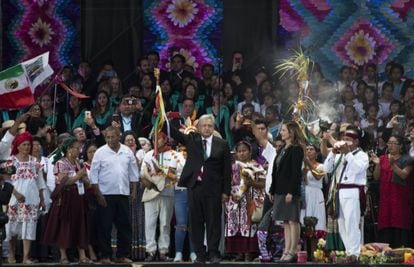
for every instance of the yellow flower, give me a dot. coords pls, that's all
(41, 33)
(361, 48)
(182, 12)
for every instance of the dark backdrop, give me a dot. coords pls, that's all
(250, 26)
(112, 30)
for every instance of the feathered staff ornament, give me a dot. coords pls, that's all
(159, 112)
(304, 109)
(305, 112)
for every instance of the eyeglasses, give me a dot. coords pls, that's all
(393, 143)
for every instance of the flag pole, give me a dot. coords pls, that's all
(156, 110)
(54, 107)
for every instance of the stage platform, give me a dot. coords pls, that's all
(187, 264)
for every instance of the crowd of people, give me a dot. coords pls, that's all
(94, 183)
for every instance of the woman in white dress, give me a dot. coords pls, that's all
(27, 198)
(315, 203)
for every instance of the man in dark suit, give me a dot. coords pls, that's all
(178, 73)
(207, 175)
(129, 118)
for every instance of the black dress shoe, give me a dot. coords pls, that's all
(215, 259)
(150, 257)
(200, 260)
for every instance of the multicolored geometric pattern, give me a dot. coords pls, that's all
(33, 27)
(189, 27)
(353, 32)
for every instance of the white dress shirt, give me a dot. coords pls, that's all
(126, 122)
(269, 153)
(113, 171)
(208, 144)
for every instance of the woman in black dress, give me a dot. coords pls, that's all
(285, 188)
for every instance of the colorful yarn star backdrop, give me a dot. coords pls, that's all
(32, 27)
(189, 27)
(352, 32)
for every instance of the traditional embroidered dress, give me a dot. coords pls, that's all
(240, 232)
(67, 225)
(28, 180)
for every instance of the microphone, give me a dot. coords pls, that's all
(81, 163)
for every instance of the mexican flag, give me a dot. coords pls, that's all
(17, 84)
(15, 91)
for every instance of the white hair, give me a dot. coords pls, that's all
(206, 117)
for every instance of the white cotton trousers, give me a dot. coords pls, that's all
(161, 207)
(349, 220)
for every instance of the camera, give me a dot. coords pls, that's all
(6, 168)
(324, 125)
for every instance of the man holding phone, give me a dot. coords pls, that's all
(237, 69)
(127, 118)
(107, 72)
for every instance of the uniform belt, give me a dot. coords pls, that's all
(349, 186)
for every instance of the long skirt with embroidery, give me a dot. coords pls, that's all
(67, 224)
(138, 227)
(240, 233)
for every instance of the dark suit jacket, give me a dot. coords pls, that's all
(287, 178)
(217, 168)
(5, 193)
(136, 125)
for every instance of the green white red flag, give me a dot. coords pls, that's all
(17, 84)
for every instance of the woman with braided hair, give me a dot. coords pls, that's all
(67, 224)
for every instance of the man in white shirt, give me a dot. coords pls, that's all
(351, 178)
(114, 168)
(159, 206)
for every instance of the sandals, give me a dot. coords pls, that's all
(283, 256)
(28, 262)
(85, 261)
(64, 261)
(11, 261)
